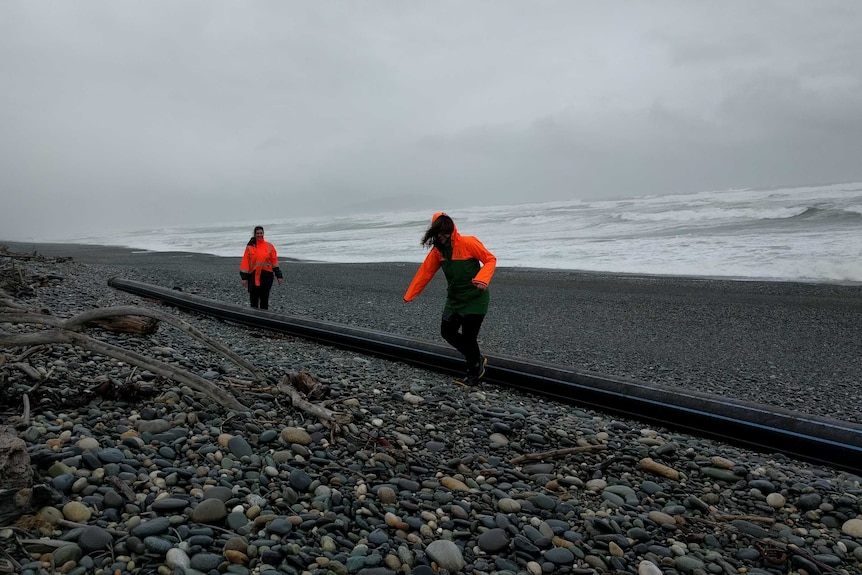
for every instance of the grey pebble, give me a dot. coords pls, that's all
(70, 552)
(154, 427)
(110, 455)
(206, 561)
(209, 511)
(446, 554)
(157, 544)
(169, 504)
(240, 447)
(93, 538)
(155, 526)
(559, 556)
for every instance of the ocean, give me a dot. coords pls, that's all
(811, 233)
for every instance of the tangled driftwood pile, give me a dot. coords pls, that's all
(15, 280)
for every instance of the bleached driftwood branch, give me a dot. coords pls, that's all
(290, 385)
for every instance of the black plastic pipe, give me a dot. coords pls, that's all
(763, 428)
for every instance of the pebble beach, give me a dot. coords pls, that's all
(427, 477)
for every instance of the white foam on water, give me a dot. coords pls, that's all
(811, 233)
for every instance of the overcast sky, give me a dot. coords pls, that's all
(127, 114)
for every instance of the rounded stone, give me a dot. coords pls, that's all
(268, 435)
(295, 435)
(508, 505)
(239, 447)
(110, 455)
(169, 504)
(236, 520)
(236, 544)
(66, 553)
(218, 492)
(661, 518)
(152, 527)
(648, 568)
(387, 495)
(94, 538)
(559, 556)
(300, 480)
(688, 564)
(280, 526)
(155, 426)
(88, 443)
(63, 482)
(493, 540)
(176, 558)
(776, 500)
(77, 512)
(209, 511)
(113, 499)
(446, 554)
(853, 528)
(809, 501)
(498, 440)
(205, 562)
(157, 544)
(51, 514)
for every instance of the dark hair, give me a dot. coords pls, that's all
(443, 224)
(253, 241)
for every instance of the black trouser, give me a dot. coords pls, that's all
(259, 295)
(465, 340)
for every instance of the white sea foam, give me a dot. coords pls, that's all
(807, 233)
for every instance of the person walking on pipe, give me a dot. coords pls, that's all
(468, 267)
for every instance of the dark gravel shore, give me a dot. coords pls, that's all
(792, 345)
(157, 478)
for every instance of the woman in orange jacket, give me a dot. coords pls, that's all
(258, 268)
(468, 267)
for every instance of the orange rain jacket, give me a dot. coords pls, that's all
(465, 262)
(260, 258)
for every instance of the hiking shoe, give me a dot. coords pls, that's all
(483, 361)
(469, 381)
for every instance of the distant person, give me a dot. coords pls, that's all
(258, 268)
(468, 267)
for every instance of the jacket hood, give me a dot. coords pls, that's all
(454, 227)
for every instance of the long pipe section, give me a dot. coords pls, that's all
(767, 429)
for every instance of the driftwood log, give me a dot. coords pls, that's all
(307, 385)
(15, 469)
(292, 384)
(127, 324)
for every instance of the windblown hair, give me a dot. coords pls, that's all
(442, 225)
(253, 241)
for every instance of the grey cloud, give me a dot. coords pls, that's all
(164, 113)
